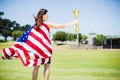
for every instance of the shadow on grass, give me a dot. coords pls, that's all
(60, 44)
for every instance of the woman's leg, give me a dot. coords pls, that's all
(35, 72)
(46, 71)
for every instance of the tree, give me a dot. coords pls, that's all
(19, 30)
(60, 36)
(25, 27)
(5, 28)
(16, 34)
(84, 38)
(1, 21)
(71, 37)
(99, 39)
(16, 26)
(1, 13)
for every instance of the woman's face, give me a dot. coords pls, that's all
(45, 16)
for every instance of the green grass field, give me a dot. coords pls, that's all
(68, 64)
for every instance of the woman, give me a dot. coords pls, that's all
(34, 46)
(39, 19)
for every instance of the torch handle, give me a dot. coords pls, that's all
(76, 28)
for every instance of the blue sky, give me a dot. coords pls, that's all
(99, 16)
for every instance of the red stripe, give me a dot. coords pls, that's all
(46, 26)
(36, 48)
(20, 47)
(36, 56)
(49, 60)
(35, 62)
(5, 54)
(41, 41)
(24, 50)
(21, 58)
(43, 60)
(12, 51)
(26, 55)
(44, 35)
(26, 62)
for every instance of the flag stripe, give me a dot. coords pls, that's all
(42, 34)
(37, 54)
(36, 48)
(35, 62)
(5, 53)
(46, 27)
(32, 55)
(39, 34)
(9, 51)
(27, 53)
(46, 34)
(12, 51)
(21, 57)
(43, 61)
(41, 41)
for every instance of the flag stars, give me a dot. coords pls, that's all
(25, 35)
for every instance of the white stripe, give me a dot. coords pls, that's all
(31, 55)
(14, 49)
(8, 51)
(22, 55)
(46, 60)
(39, 61)
(42, 37)
(31, 63)
(45, 30)
(29, 48)
(35, 42)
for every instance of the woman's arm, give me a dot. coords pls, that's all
(57, 26)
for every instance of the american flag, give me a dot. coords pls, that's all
(33, 47)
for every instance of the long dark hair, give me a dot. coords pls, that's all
(39, 18)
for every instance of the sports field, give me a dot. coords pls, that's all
(68, 64)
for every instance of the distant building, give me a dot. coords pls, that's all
(91, 38)
(112, 42)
